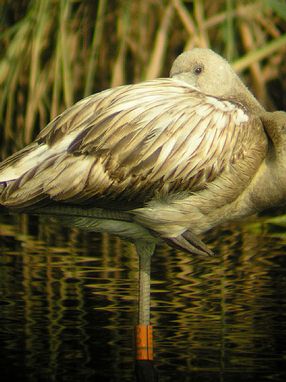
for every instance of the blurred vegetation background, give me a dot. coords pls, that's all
(54, 52)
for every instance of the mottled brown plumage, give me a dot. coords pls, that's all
(181, 154)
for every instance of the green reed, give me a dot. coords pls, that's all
(55, 52)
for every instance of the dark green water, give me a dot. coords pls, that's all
(68, 305)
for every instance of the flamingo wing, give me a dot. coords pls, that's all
(130, 143)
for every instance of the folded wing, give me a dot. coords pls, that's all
(129, 144)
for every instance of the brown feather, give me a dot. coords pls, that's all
(134, 142)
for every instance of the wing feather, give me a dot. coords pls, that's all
(135, 141)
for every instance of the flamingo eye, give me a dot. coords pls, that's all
(198, 70)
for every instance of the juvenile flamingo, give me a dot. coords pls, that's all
(175, 156)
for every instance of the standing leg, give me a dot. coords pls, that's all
(144, 335)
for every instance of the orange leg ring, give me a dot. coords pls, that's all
(144, 342)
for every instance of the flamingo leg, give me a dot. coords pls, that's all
(144, 334)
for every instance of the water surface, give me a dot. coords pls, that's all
(68, 305)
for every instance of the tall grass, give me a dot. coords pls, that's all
(55, 52)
